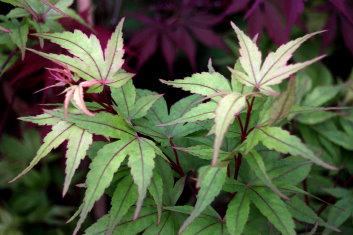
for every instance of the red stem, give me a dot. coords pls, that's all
(176, 156)
(241, 125)
(305, 187)
(248, 116)
(237, 165)
(244, 134)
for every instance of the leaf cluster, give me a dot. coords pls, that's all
(237, 134)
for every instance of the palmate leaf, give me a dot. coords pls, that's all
(42, 119)
(142, 105)
(342, 212)
(77, 146)
(238, 212)
(159, 114)
(103, 123)
(258, 167)
(274, 69)
(275, 138)
(206, 225)
(282, 106)
(60, 132)
(303, 212)
(141, 162)
(228, 107)
(156, 190)
(166, 226)
(89, 61)
(273, 208)
(127, 225)
(202, 83)
(101, 173)
(292, 170)
(201, 112)
(128, 105)
(124, 97)
(202, 151)
(123, 198)
(211, 180)
(19, 35)
(208, 222)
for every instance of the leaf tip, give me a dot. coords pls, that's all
(11, 181)
(64, 193)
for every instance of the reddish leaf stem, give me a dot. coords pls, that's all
(240, 124)
(305, 187)
(248, 116)
(176, 156)
(237, 165)
(244, 134)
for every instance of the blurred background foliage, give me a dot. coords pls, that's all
(171, 39)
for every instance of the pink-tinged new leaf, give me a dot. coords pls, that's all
(5, 29)
(68, 97)
(78, 98)
(59, 84)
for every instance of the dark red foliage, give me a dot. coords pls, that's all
(275, 16)
(174, 26)
(341, 17)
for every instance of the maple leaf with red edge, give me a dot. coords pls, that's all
(274, 69)
(89, 63)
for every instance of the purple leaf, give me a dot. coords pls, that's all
(208, 37)
(292, 10)
(274, 15)
(186, 43)
(343, 9)
(168, 51)
(145, 42)
(255, 23)
(143, 18)
(254, 7)
(235, 7)
(331, 27)
(347, 31)
(275, 26)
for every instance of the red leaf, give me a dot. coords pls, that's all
(347, 30)
(331, 27)
(208, 37)
(186, 43)
(168, 51)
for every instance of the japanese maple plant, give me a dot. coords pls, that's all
(222, 160)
